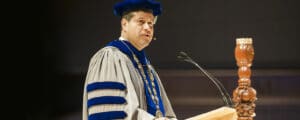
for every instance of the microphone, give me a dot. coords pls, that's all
(154, 38)
(225, 96)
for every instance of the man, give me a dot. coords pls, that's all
(120, 82)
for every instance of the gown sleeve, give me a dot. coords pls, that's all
(108, 91)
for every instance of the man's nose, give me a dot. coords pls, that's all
(147, 27)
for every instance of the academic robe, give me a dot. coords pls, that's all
(114, 89)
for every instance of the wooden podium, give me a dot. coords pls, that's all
(244, 95)
(222, 113)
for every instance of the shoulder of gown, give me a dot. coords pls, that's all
(108, 91)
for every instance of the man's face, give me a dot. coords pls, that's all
(139, 29)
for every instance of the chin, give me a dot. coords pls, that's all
(144, 46)
(147, 41)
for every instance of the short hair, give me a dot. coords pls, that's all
(128, 13)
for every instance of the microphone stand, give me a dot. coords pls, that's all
(226, 98)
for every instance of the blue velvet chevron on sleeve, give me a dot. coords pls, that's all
(108, 115)
(102, 98)
(106, 100)
(105, 85)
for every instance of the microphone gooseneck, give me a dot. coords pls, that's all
(226, 98)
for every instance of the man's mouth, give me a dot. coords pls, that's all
(146, 35)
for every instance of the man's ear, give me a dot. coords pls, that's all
(124, 24)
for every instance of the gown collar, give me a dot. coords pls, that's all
(126, 47)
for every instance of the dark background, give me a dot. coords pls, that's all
(71, 31)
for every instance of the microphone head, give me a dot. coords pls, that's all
(180, 57)
(183, 53)
(184, 56)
